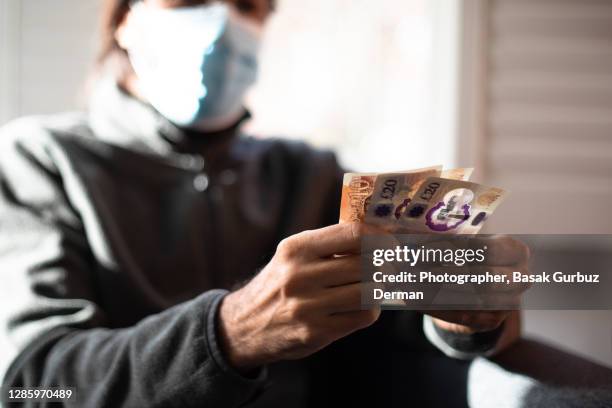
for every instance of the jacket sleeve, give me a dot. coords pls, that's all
(53, 328)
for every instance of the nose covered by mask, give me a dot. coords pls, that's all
(194, 64)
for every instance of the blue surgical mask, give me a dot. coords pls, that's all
(194, 64)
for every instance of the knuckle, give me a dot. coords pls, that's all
(293, 310)
(307, 336)
(297, 311)
(288, 247)
(289, 273)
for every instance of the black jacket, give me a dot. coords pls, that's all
(119, 236)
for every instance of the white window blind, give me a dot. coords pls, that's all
(548, 115)
(536, 118)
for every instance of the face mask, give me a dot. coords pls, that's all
(194, 64)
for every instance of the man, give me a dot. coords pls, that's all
(122, 230)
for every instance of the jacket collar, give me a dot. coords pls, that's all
(123, 120)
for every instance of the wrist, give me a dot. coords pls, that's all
(234, 337)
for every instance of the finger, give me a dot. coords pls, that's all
(475, 320)
(342, 299)
(336, 239)
(331, 272)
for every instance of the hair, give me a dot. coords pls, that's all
(113, 13)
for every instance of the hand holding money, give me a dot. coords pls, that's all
(432, 200)
(308, 296)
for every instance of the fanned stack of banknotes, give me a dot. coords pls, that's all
(429, 200)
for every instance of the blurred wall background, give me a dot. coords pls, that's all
(521, 89)
(374, 80)
(46, 52)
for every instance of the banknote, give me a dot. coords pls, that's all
(402, 202)
(460, 173)
(450, 206)
(356, 190)
(393, 192)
